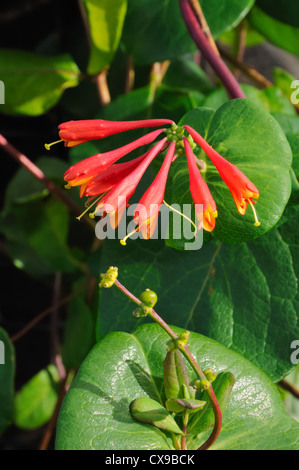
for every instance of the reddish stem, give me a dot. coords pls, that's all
(40, 176)
(222, 71)
(186, 352)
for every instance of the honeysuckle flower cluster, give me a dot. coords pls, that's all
(112, 184)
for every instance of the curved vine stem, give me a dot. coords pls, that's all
(193, 25)
(192, 361)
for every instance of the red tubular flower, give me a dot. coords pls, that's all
(200, 193)
(83, 172)
(112, 176)
(147, 210)
(115, 202)
(241, 188)
(77, 132)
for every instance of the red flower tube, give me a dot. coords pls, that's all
(77, 132)
(83, 172)
(115, 202)
(241, 188)
(205, 206)
(112, 176)
(147, 210)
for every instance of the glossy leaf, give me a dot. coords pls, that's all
(150, 411)
(34, 83)
(178, 405)
(124, 367)
(35, 402)
(175, 375)
(105, 20)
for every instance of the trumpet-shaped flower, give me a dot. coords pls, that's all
(147, 210)
(241, 188)
(83, 172)
(116, 200)
(77, 132)
(205, 206)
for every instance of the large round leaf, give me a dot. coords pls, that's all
(95, 413)
(251, 139)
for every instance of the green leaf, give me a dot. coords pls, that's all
(290, 126)
(225, 15)
(284, 80)
(36, 234)
(281, 34)
(177, 405)
(251, 139)
(150, 411)
(175, 375)
(78, 333)
(163, 34)
(35, 402)
(24, 187)
(34, 83)
(105, 19)
(271, 99)
(35, 224)
(222, 387)
(288, 14)
(122, 367)
(7, 372)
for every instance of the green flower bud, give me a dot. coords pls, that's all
(109, 277)
(210, 375)
(148, 298)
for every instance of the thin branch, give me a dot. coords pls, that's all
(43, 315)
(289, 388)
(241, 46)
(52, 423)
(157, 74)
(196, 7)
(192, 361)
(55, 343)
(230, 83)
(250, 72)
(40, 176)
(130, 74)
(103, 89)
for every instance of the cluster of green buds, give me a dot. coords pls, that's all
(175, 134)
(204, 384)
(179, 342)
(148, 300)
(109, 277)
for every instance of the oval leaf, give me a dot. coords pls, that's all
(121, 368)
(150, 411)
(34, 83)
(177, 405)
